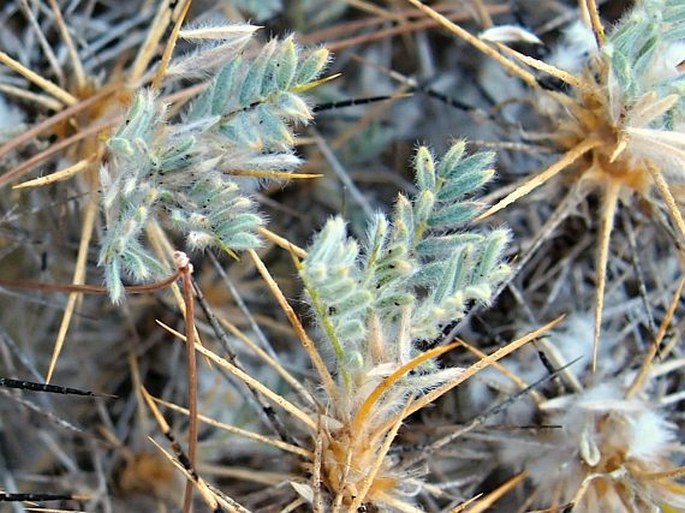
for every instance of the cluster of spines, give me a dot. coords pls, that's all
(422, 259)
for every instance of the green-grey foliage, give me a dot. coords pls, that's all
(645, 49)
(187, 173)
(410, 274)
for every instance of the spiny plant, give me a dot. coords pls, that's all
(239, 127)
(417, 272)
(155, 167)
(419, 262)
(620, 121)
(87, 91)
(376, 303)
(615, 448)
(167, 167)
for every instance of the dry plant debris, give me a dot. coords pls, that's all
(185, 256)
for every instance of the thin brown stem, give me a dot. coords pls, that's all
(539, 179)
(29, 164)
(539, 65)
(78, 279)
(595, 22)
(537, 396)
(305, 340)
(610, 203)
(149, 47)
(282, 242)
(474, 369)
(47, 86)
(33, 132)
(251, 382)
(47, 49)
(182, 462)
(398, 30)
(486, 502)
(85, 289)
(169, 48)
(455, 29)
(257, 437)
(641, 378)
(79, 72)
(39, 99)
(57, 176)
(186, 270)
(668, 198)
